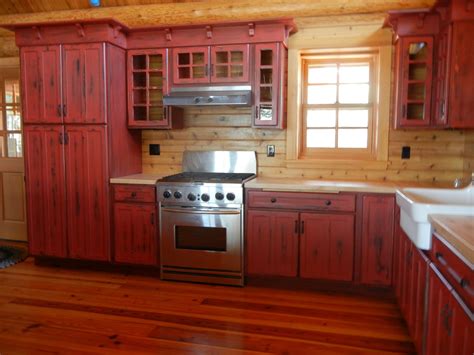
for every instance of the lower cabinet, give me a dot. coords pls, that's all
(135, 225)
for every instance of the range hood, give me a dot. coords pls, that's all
(209, 96)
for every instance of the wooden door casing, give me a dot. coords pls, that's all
(87, 192)
(272, 243)
(327, 246)
(45, 188)
(377, 239)
(41, 84)
(135, 233)
(83, 83)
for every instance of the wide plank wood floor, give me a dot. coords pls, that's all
(46, 309)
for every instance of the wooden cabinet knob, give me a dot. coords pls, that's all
(273, 200)
(328, 203)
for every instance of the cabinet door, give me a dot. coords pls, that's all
(441, 80)
(327, 246)
(83, 83)
(413, 107)
(45, 188)
(449, 325)
(135, 233)
(267, 84)
(272, 243)
(87, 192)
(230, 64)
(377, 239)
(190, 65)
(41, 84)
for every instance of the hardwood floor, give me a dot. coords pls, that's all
(45, 309)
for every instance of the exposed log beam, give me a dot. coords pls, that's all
(219, 11)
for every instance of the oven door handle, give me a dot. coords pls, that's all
(200, 211)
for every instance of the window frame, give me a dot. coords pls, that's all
(5, 75)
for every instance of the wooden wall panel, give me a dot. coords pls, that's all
(469, 156)
(435, 155)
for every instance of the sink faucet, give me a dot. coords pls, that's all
(457, 183)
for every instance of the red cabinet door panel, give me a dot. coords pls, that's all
(377, 239)
(190, 65)
(327, 246)
(230, 64)
(45, 187)
(135, 233)
(87, 192)
(83, 83)
(272, 243)
(41, 84)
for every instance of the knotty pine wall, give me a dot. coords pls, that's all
(437, 155)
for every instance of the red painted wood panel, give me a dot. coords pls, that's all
(45, 188)
(272, 243)
(377, 239)
(135, 236)
(134, 193)
(87, 192)
(327, 246)
(83, 83)
(41, 84)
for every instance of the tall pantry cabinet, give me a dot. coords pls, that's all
(74, 110)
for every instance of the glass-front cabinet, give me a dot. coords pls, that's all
(415, 81)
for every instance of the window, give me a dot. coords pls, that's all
(10, 115)
(339, 105)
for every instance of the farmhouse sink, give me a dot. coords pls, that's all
(417, 203)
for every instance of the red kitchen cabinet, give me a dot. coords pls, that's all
(377, 239)
(327, 246)
(45, 186)
(87, 192)
(269, 83)
(272, 243)
(41, 84)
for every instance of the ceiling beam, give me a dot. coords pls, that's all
(218, 11)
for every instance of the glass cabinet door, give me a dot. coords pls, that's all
(230, 63)
(191, 65)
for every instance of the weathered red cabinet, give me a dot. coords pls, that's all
(377, 239)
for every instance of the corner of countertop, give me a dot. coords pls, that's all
(137, 179)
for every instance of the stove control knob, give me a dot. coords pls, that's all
(191, 197)
(167, 194)
(230, 196)
(219, 196)
(177, 194)
(205, 197)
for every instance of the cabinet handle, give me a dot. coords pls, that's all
(302, 227)
(206, 69)
(464, 283)
(165, 112)
(212, 69)
(273, 200)
(443, 108)
(64, 110)
(133, 194)
(59, 110)
(446, 314)
(328, 203)
(257, 112)
(61, 138)
(296, 227)
(404, 111)
(152, 218)
(66, 138)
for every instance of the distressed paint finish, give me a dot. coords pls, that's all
(87, 192)
(45, 188)
(41, 84)
(327, 246)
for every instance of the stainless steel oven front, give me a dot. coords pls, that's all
(202, 244)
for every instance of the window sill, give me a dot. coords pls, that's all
(337, 164)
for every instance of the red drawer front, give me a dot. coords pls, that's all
(134, 193)
(457, 272)
(302, 201)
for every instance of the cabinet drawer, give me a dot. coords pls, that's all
(138, 193)
(456, 271)
(302, 201)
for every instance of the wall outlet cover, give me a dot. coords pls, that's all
(154, 149)
(406, 152)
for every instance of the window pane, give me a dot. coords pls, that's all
(354, 93)
(322, 94)
(353, 118)
(321, 138)
(354, 73)
(321, 118)
(13, 120)
(12, 91)
(352, 138)
(322, 75)
(14, 145)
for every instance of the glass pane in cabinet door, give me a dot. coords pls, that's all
(184, 73)
(139, 80)
(416, 91)
(139, 96)
(222, 71)
(199, 72)
(266, 76)
(236, 71)
(415, 111)
(184, 58)
(139, 113)
(156, 97)
(266, 57)
(157, 113)
(156, 79)
(14, 145)
(222, 57)
(198, 58)
(139, 62)
(156, 62)
(418, 51)
(266, 94)
(265, 113)
(417, 71)
(236, 56)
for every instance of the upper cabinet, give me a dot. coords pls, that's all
(434, 70)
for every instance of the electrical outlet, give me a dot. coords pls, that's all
(270, 150)
(406, 152)
(154, 149)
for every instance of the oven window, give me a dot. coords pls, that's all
(201, 238)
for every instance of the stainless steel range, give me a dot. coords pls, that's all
(201, 217)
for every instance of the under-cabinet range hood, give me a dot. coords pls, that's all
(209, 96)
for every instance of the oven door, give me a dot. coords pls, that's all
(199, 238)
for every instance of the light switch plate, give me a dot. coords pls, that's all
(270, 150)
